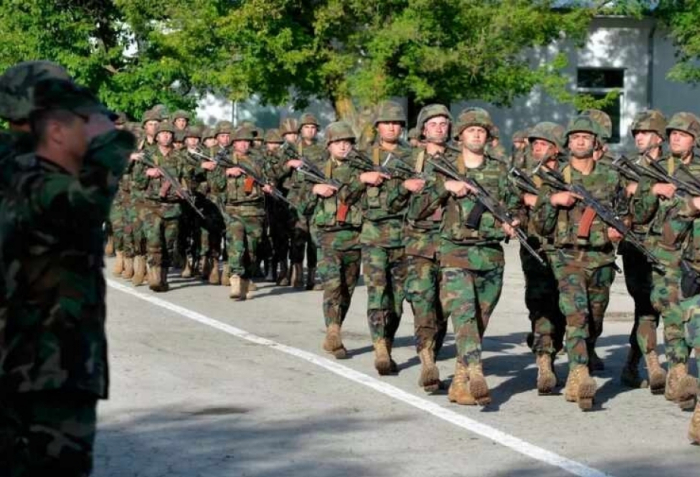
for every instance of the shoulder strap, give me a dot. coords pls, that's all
(567, 174)
(671, 167)
(420, 161)
(460, 165)
(375, 155)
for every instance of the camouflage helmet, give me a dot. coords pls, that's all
(686, 122)
(179, 136)
(223, 127)
(208, 133)
(273, 136)
(431, 111)
(161, 111)
(150, 115)
(651, 120)
(180, 114)
(520, 135)
(194, 131)
(308, 118)
(390, 111)
(165, 127)
(289, 126)
(551, 132)
(243, 133)
(17, 87)
(603, 121)
(338, 131)
(121, 119)
(473, 117)
(413, 133)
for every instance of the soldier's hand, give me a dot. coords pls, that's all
(209, 165)
(631, 189)
(324, 190)
(563, 199)
(696, 202)
(97, 125)
(234, 172)
(136, 156)
(372, 178)
(509, 229)
(153, 172)
(530, 200)
(614, 235)
(294, 163)
(458, 188)
(664, 190)
(414, 185)
(267, 188)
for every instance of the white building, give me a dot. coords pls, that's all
(628, 54)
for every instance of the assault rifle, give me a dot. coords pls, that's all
(308, 168)
(488, 202)
(657, 172)
(606, 214)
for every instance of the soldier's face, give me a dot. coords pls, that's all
(581, 145)
(164, 138)
(308, 131)
(680, 142)
(191, 142)
(474, 139)
(178, 145)
(643, 140)
(210, 142)
(241, 147)
(436, 129)
(273, 146)
(258, 142)
(224, 139)
(291, 137)
(542, 149)
(340, 149)
(389, 131)
(150, 128)
(180, 123)
(519, 145)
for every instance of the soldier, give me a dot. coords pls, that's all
(583, 263)
(189, 238)
(161, 209)
(337, 215)
(656, 204)
(273, 140)
(421, 236)
(414, 137)
(471, 257)
(602, 119)
(180, 120)
(243, 201)
(494, 148)
(179, 140)
(277, 211)
(54, 365)
(520, 149)
(548, 323)
(211, 237)
(383, 260)
(648, 130)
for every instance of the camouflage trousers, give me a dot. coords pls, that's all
(243, 237)
(547, 322)
(122, 221)
(302, 242)
(160, 226)
(665, 297)
(340, 271)
(468, 298)
(423, 293)
(584, 294)
(691, 317)
(47, 433)
(384, 271)
(638, 280)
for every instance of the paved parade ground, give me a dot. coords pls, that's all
(204, 386)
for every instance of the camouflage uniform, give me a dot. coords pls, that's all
(277, 213)
(53, 346)
(191, 225)
(339, 220)
(243, 202)
(160, 212)
(667, 234)
(583, 262)
(383, 259)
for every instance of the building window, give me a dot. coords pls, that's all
(597, 83)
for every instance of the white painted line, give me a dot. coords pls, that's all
(476, 427)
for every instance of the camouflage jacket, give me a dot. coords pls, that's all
(383, 220)
(341, 211)
(52, 324)
(241, 192)
(566, 224)
(293, 181)
(158, 189)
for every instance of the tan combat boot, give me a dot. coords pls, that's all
(214, 273)
(187, 272)
(459, 388)
(694, 429)
(382, 360)
(630, 372)
(118, 264)
(680, 387)
(139, 270)
(429, 373)
(392, 363)
(109, 246)
(477, 384)
(297, 275)
(546, 379)
(587, 388)
(128, 272)
(571, 388)
(235, 291)
(333, 342)
(657, 374)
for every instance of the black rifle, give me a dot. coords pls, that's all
(491, 204)
(606, 214)
(308, 168)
